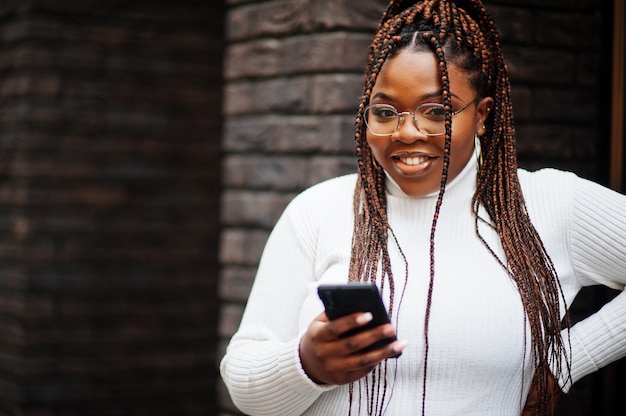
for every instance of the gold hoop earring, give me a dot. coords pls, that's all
(375, 163)
(478, 151)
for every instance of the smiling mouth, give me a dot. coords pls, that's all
(413, 160)
(413, 164)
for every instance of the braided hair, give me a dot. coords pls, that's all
(459, 33)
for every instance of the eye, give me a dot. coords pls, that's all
(383, 112)
(433, 112)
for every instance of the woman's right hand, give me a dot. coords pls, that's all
(329, 359)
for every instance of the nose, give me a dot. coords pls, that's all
(407, 131)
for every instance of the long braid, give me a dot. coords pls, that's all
(371, 229)
(430, 37)
(530, 266)
(454, 30)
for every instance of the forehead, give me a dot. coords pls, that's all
(411, 73)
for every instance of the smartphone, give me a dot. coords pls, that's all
(344, 299)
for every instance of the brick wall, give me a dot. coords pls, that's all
(110, 141)
(558, 53)
(293, 74)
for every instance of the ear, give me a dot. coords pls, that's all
(483, 109)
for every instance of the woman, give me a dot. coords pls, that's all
(476, 259)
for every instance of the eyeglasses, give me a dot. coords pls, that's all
(384, 119)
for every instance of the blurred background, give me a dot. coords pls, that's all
(148, 147)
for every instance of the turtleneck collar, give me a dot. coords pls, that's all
(463, 184)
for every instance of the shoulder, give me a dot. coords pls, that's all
(337, 189)
(331, 196)
(557, 193)
(545, 178)
(557, 184)
(339, 183)
(543, 185)
(326, 207)
(548, 195)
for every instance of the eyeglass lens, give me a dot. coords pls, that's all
(384, 119)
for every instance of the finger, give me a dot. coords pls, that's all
(373, 357)
(354, 367)
(381, 334)
(350, 322)
(322, 317)
(334, 367)
(318, 330)
(366, 360)
(350, 376)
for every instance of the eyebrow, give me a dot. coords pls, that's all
(384, 96)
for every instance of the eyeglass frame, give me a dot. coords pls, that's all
(400, 119)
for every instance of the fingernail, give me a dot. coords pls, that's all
(365, 318)
(399, 346)
(389, 331)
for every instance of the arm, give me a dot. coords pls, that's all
(598, 247)
(284, 342)
(261, 367)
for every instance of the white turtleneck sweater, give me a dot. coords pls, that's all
(477, 364)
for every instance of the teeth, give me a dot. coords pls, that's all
(413, 160)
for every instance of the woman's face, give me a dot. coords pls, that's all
(413, 159)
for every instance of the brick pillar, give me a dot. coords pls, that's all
(109, 138)
(294, 72)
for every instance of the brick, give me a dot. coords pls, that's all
(340, 51)
(281, 134)
(540, 65)
(574, 30)
(515, 24)
(565, 5)
(326, 167)
(283, 95)
(229, 319)
(296, 55)
(260, 172)
(236, 2)
(352, 14)
(241, 246)
(19, 85)
(303, 94)
(521, 98)
(336, 93)
(291, 95)
(252, 208)
(253, 59)
(239, 98)
(554, 141)
(267, 19)
(589, 68)
(235, 283)
(573, 105)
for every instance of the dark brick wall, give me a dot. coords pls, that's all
(293, 73)
(558, 56)
(109, 197)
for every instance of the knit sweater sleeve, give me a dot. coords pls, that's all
(262, 368)
(598, 255)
